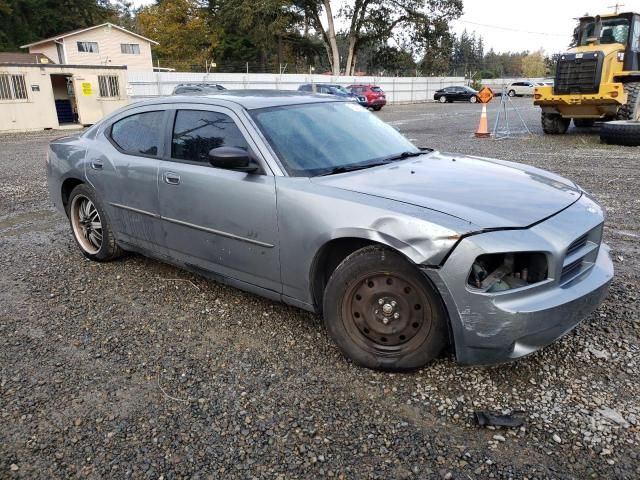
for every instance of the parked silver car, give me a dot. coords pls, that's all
(316, 202)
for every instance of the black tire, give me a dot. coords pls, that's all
(583, 122)
(512, 93)
(473, 99)
(382, 313)
(554, 124)
(621, 132)
(631, 109)
(377, 108)
(84, 231)
(442, 99)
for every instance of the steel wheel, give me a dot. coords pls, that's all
(384, 313)
(86, 223)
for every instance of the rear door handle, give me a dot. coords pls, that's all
(171, 178)
(96, 165)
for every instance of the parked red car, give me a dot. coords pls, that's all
(375, 96)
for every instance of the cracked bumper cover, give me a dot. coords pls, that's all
(490, 328)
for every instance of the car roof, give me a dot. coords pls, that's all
(249, 99)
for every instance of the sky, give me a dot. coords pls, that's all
(518, 25)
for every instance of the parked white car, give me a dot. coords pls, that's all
(519, 89)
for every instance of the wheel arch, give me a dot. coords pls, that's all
(67, 187)
(332, 252)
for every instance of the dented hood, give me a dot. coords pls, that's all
(488, 193)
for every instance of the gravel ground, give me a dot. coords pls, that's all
(137, 369)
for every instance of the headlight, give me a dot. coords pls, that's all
(496, 272)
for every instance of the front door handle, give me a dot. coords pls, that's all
(171, 178)
(96, 165)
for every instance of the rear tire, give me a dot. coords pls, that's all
(621, 132)
(631, 109)
(382, 313)
(377, 109)
(583, 122)
(90, 225)
(554, 124)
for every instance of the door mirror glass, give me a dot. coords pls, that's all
(231, 158)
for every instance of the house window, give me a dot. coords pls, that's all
(88, 47)
(12, 87)
(109, 86)
(132, 48)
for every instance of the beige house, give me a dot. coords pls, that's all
(106, 45)
(35, 96)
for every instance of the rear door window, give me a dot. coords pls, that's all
(195, 132)
(139, 134)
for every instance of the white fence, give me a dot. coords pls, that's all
(398, 89)
(497, 84)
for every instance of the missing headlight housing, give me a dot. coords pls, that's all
(496, 272)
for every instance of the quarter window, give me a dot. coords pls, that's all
(88, 47)
(195, 132)
(139, 134)
(109, 86)
(12, 87)
(130, 48)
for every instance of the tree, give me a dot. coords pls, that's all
(25, 21)
(269, 31)
(180, 26)
(376, 21)
(533, 65)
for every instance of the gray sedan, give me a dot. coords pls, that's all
(316, 202)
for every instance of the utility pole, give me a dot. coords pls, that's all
(616, 7)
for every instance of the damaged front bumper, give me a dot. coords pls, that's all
(490, 328)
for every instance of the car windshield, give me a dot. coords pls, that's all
(340, 89)
(614, 30)
(321, 138)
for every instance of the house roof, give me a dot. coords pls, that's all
(24, 58)
(80, 30)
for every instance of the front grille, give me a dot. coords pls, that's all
(578, 73)
(577, 244)
(581, 255)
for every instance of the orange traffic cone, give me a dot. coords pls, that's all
(483, 128)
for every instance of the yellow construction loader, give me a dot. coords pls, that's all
(598, 79)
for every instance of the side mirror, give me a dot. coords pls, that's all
(232, 158)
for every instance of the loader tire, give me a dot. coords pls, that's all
(631, 109)
(554, 124)
(621, 132)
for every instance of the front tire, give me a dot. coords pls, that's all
(631, 109)
(554, 124)
(377, 108)
(382, 313)
(473, 99)
(90, 225)
(512, 93)
(442, 99)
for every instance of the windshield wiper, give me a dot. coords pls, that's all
(384, 161)
(403, 155)
(350, 168)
